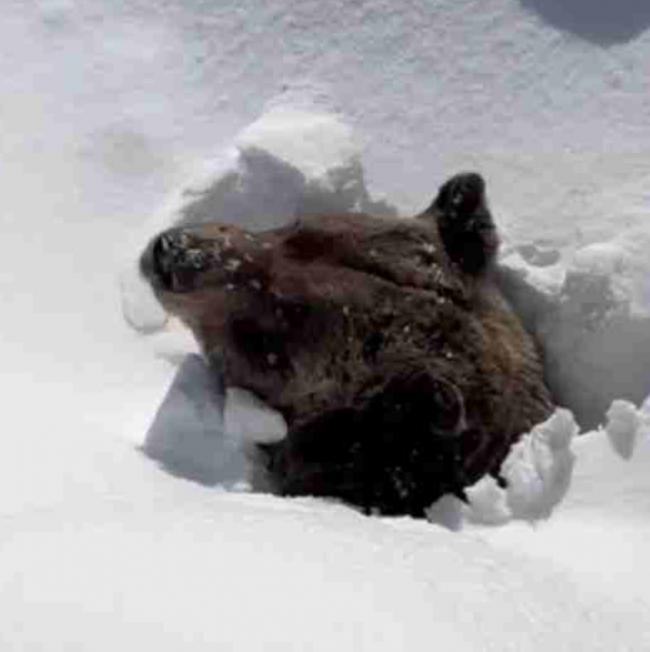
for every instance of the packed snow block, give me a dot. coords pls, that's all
(539, 466)
(187, 435)
(249, 420)
(612, 471)
(591, 315)
(537, 474)
(447, 511)
(596, 349)
(624, 422)
(289, 162)
(140, 309)
(487, 503)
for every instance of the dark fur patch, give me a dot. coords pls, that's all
(399, 367)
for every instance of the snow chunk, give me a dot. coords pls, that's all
(592, 317)
(547, 278)
(537, 472)
(140, 308)
(597, 337)
(319, 143)
(623, 425)
(287, 163)
(187, 435)
(624, 260)
(488, 503)
(206, 433)
(539, 466)
(248, 419)
(446, 511)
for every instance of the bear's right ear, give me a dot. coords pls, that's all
(461, 196)
(465, 223)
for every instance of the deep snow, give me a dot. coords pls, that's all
(105, 108)
(288, 163)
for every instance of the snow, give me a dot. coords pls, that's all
(187, 433)
(590, 312)
(106, 107)
(624, 423)
(537, 470)
(320, 147)
(247, 418)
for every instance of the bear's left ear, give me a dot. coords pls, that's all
(465, 223)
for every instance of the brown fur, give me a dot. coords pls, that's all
(332, 317)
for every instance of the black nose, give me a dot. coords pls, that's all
(172, 261)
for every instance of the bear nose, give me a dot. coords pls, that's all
(171, 262)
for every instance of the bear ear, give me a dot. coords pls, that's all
(461, 196)
(465, 223)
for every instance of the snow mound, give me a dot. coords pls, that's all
(207, 433)
(612, 471)
(625, 426)
(320, 146)
(624, 261)
(287, 163)
(591, 313)
(488, 503)
(446, 511)
(602, 472)
(187, 434)
(537, 472)
(140, 308)
(539, 466)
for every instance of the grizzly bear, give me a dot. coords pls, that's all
(400, 369)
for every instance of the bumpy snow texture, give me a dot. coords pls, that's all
(106, 106)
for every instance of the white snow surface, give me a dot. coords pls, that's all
(589, 310)
(537, 471)
(248, 419)
(106, 106)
